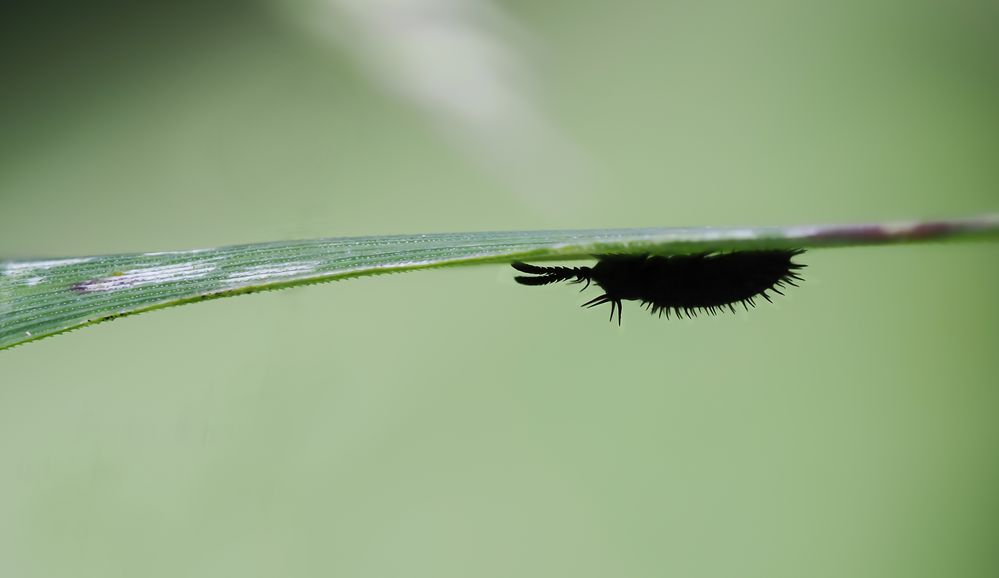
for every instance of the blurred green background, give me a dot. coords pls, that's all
(451, 423)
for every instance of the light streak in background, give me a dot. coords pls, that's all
(462, 64)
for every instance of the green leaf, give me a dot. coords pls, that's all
(42, 298)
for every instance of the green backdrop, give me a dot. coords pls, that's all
(451, 423)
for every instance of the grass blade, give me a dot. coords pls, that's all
(45, 297)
